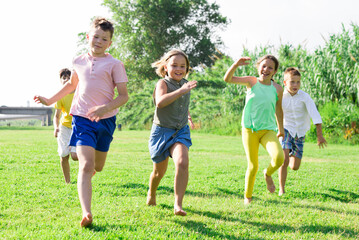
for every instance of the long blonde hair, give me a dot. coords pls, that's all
(160, 64)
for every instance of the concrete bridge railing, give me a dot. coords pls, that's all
(44, 113)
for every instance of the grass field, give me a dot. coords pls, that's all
(322, 199)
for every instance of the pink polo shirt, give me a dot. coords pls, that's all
(97, 78)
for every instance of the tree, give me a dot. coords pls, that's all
(146, 29)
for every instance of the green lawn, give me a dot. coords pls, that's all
(322, 199)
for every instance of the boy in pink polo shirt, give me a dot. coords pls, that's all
(95, 76)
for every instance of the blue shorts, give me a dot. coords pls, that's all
(162, 139)
(294, 144)
(95, 134)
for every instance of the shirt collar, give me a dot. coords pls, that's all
(287, 93)
(171, 80)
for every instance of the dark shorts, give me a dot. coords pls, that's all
(294, 144)
(95, 134)
(162, 139)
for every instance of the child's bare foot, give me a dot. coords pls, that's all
(179, 211)
(247, 200)
(86, 220)
(151, 201)
(269, 181)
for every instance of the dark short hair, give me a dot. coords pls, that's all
(292, 71)
(103, 24)
(65, 72)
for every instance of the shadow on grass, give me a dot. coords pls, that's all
(320, 208)
(218, 216)
(99, 228)
(221, 193)
(203, 230)
(261, 226)
(229, 192)
(342, 196)
(334, 194)
(309, 228)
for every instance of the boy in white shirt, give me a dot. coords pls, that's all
(298, 108)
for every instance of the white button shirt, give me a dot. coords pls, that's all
(298, 110)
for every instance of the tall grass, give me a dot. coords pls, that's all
(329, 74)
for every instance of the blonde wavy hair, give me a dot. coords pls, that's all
(160, 64)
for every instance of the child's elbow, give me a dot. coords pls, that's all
(159, 105)
(226, 79)
(125, 98)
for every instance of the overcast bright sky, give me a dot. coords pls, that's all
(39, 37)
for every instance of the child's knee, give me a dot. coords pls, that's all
(87, 167)
(279, 160)
(285, 162)
(98, 168)
(294, 167)
(158, 174)
(182, 166)
(253, 168)
(74, 156)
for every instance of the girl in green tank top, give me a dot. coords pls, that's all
(262, 117)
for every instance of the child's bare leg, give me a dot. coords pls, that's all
(100, 160)
(74, 156)
(294, 162)
(159, 170)
(269, 181)
(86, 156)
(179, 153)
(283, 172)
(65, 166)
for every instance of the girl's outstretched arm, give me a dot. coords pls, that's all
(163, 99)
(248, 81)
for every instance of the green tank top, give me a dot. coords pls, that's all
(259, 111)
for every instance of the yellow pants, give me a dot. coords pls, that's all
(270, 142)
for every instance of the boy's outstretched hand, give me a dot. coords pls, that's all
(40, 99)
(321, 142)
